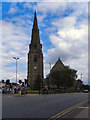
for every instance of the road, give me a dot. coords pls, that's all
(39, 106)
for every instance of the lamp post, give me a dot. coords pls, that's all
(16, 58)
(50, 76)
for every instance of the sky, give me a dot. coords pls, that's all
(63, 33)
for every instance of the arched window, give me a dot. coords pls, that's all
(35, 58)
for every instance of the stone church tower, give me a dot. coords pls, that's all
(35, 55)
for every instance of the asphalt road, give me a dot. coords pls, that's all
(39, 106)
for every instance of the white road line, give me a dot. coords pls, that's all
(84, 107)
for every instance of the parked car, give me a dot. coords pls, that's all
(85, 91)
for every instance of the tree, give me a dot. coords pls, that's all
(38, 83)
(69, 76)
(64, 78)
(47, 81)
(57, 78)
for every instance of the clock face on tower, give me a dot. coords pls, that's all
(35, 67)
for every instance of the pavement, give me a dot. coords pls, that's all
(81, 111)
(84, 111)
(83, 114)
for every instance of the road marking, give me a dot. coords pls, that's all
(84, 107)
(66, 111)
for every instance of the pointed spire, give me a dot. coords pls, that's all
(35, 25)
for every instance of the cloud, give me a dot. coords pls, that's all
(1, 48)
(69, 41)
(45, 0)
(52, 7)
(0, 11)
(65, 22)
(28, 5)
(12, 11)
(14, 44)
(13, 8)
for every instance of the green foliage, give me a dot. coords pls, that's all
(56, 78)
(69, 76)
(48, 80)
(64, 78)
(33, 91)
(38, 83)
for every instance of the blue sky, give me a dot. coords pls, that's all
(63, 33)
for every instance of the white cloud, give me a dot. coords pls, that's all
(45, 0)
(12, 11)
(51, 7)
(65, 22)
(14, 44)
(71, 40)
(1, 48)
(28, 5)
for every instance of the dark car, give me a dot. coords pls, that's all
(85, 91)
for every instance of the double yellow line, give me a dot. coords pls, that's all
(66, 111)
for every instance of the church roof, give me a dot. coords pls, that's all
(58, 65)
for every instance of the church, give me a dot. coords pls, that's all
(35, 55)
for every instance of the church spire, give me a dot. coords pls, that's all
(35, 39)
(35, 24)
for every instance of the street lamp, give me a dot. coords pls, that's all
(50, 76)
(16, 58)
